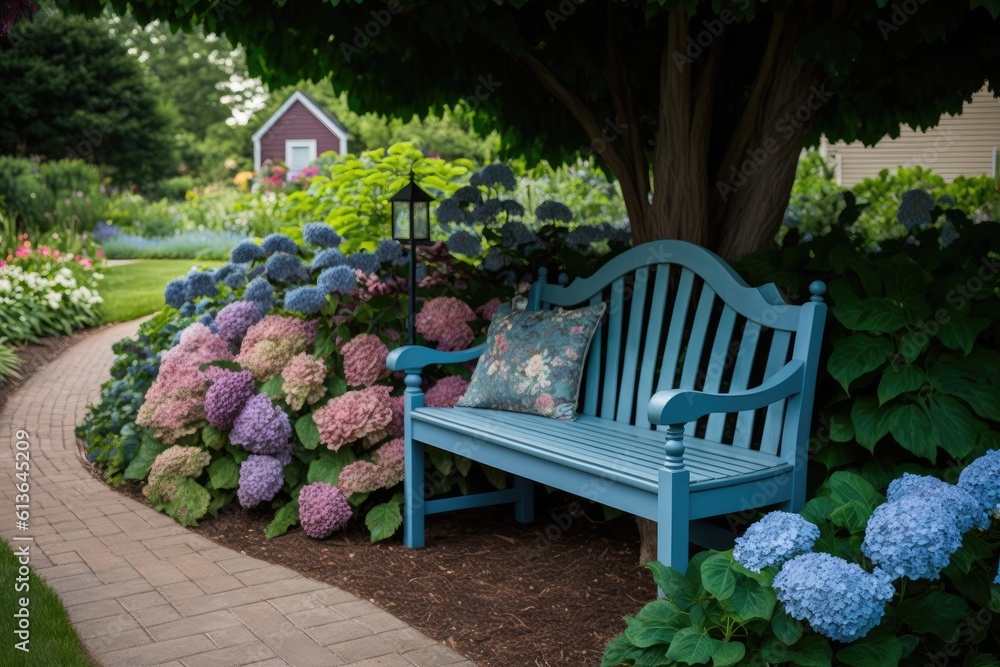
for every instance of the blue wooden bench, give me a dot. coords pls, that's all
(696, 401)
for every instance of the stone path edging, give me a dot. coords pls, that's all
(142, 590)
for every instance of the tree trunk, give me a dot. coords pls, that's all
(647, 540)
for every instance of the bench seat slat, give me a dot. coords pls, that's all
(588, 444)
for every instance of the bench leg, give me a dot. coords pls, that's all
(673, 524)
(524, 506)
(413, 495)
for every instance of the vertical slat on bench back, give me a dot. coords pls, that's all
(675, 332)
(633, 338)
(651, 347)
(594, 367)
(717, 367)
(741, 380)
(770, 439)
(696, 343)
(612, 359)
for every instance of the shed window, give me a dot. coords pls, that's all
(298, 154)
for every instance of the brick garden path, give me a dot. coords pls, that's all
(142, 590)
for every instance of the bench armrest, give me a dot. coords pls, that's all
(680, 406)
(416, 357)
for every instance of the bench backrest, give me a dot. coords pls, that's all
(680, 317)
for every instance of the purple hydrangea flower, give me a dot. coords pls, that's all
(776, 538)
(261, 478)
(838, 599)
(323, 509)
(321, 235)
(262, 427)
(233, 321)
(227, 396)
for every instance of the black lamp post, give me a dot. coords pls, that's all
(411, 223)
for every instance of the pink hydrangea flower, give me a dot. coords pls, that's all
(364, 360)
(444, 320)
(175, 403)
(489, 309)
(303, 378)
(354, 415)
(390, 458)
(383, 471)
(323, 509)
(171, 466)
(395, 428)
(446, 392)
(271, 343)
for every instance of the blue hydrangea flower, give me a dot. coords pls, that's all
(776, 538)
(997, 580)
(495, 175)
(584, 236)
(208, 321)
(246, 252)
(200, 283)
(365, 261)
(278, 243)
(915, 209)
(339, 279)
(948, 234)
(306, 300)
(235, 280)
(261, 293)
(174, 294)
(283, 267)
(495, 260)
(488, 211)
(389, 251)
(968, 513)
(982, 480)
(838, 599)
(553, 210)
(465, 243)
(224, 270)
(324, 259)
(261, 478)
(616, 233)
(321, 235)
(451, 212)
(468, 194)
(914, 537)
(516, 234)
(202, 307)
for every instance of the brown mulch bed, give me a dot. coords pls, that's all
(502, 594)
(37, 356)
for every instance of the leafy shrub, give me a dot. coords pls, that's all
(63, 195)
(46, 293)
(10, 362)
(890, 582)
(175, 188)
(184, 245)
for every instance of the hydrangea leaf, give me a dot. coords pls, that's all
(898, 380)
(961, 334)
(190, 502)
(813, 651)
(384, 520)
(750, 600)
(224, 473)
(213, 437)
(853, 516)
(327, 467)
(954, 426)
(841, 427)
(912, 430)
(273, 387)
(875, 650)
(284, 518)
(871, 314)
(728, 653)
(463, 465)
(937, 613)
(443, 461)
(674, 585)
(657, 623)
(871, 422)
(785, 628)
(691, 646)
(818, 510)
(149, 449)
(307, 431)
(717, 575)
(619, 650)
(855, 355)
(912, 344)
(846, 486)
(496, 477)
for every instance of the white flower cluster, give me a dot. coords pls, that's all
(47, 288)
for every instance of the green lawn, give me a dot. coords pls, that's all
(134, 290)
(51, 638)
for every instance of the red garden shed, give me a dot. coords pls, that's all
(297, 132)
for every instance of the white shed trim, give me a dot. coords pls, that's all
(298, 96)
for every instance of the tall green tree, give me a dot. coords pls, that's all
(698, 107)
(70, 90)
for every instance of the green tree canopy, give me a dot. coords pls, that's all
(71, 90)
(715, 98)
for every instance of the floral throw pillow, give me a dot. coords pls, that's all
(533, 361)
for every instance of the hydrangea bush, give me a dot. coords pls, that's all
(856, 579)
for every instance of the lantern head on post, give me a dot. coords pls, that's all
(411, 224)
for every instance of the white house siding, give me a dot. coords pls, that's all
(963, 145)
